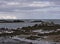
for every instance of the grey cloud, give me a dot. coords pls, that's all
(23, 10)
(12, 9)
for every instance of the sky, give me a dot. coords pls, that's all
(29, 9)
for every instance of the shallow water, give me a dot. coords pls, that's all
(16, 25)
(27, 23)
(36, 41)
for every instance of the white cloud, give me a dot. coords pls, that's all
(27, 4)
(13, 3)
(8, 17)
(24, 4)
(40, 4)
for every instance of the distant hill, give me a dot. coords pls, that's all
(10, 21)
(36, 21)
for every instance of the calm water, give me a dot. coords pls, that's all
(16, 25)
(27, 23)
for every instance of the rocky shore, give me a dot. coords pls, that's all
(44, 31)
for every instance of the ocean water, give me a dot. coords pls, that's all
(16, 25)
(27, 22)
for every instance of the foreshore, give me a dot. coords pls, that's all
(38, 32)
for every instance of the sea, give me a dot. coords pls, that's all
(27, 22)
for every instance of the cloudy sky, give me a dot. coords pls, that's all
(29, 9)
